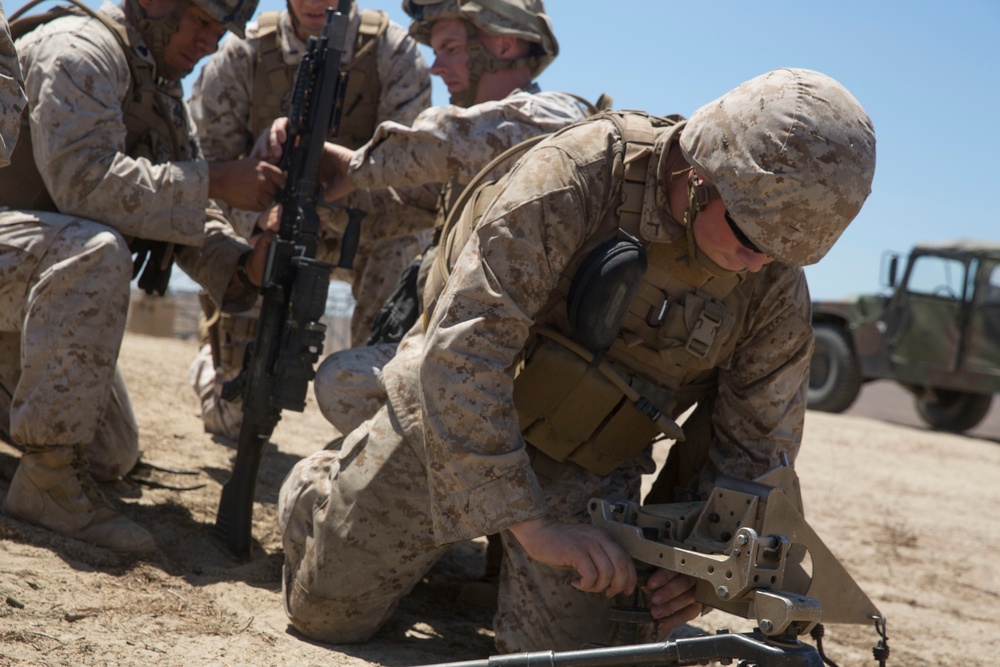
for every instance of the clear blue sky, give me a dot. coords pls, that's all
(928, 73)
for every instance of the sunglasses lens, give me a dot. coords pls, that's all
(740, 236)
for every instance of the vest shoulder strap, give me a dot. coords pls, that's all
(267, 23)
(269, 56)
(271, 76)
(465, 213)
(636, 129)
(374, 23)
(603, 103)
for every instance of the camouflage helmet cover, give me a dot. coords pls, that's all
(792, 154)
(525, 19)
(234, 14)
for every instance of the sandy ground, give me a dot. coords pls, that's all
(910, 513)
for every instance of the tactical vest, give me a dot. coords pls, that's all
(274, 80)
(599, 408)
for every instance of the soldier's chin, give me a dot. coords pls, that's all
(172, 73)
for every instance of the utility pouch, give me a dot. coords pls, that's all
(571, 411)
(236, 331)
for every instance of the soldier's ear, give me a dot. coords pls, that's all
(506, 47)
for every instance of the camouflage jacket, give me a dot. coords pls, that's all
(223, 93)
(506, 281)
(450, 144)
(12, 98)
(76, 78)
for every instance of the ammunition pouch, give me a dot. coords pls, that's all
(228, 334)
(236, 331)
(574, 409)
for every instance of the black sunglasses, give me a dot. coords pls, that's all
(741, 237)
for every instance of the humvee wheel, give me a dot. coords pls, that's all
(834, 374)
(954, 411)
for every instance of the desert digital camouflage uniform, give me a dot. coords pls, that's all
(446, 144)
(64, 277)
(222, 102)
(229, 114)
(444, 459)
(12, 100)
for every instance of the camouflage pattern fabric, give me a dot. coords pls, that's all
(115, 447)
(221, 102)
(447, 144)
(451, 144)
(448, 438)
(806, 192)
(346, 385)
(12, 100)
(65, 278)
(376, 486)
(66, 292)
(95, 178)
(480, 476)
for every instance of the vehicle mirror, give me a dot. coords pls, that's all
(889, 277)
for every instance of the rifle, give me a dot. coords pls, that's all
(752, 554)
(279, 363)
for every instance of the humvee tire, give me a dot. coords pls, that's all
(834, 374)
(954, 411)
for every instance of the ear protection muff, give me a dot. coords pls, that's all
(602, 290)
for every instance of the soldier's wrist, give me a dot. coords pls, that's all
(241, 270)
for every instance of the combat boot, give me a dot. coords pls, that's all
(52, 488)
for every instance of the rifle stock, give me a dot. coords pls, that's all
(289, 339)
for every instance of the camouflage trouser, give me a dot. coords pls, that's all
(346, 385)
(357, 535)
(64, 295)
(220, 417)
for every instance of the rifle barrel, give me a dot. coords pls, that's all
(688, 651)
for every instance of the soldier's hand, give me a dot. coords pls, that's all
(270, 219)
(258, 256)
(249, 184)
(671, 599)
(267, 224)
(271, 142)
(333, 171)
(601, 565)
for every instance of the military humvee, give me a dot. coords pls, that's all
(936, 332)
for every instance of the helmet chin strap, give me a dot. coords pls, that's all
(480, 62)
(157, 33)
(700, 195)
